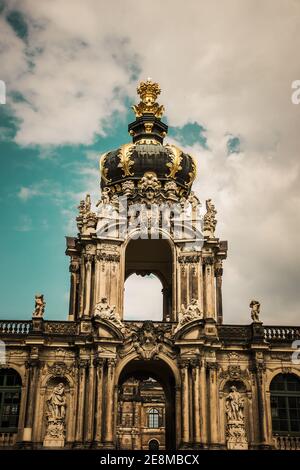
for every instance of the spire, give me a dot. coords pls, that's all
(148, 128)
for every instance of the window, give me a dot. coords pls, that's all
(285, 404)
(153, 418)
(10, 394)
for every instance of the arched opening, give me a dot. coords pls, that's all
(285, 404)
(146, 406)
(143, 298)
(153, 445)
(150, 261)
(10, 398)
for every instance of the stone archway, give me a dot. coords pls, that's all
(159, 371)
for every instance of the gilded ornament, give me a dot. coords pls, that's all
(125, 162)
(103, 170)
(176, 157)
(148, 92)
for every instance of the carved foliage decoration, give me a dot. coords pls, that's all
(126, 163)
(176, 158)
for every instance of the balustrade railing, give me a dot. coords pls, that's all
(287, 442)
(7, 439)
(15, 327)
(281, 333)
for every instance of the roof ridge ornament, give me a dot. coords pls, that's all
(148, 92)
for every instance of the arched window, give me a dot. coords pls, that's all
(10, 395)
(153, 418)
(285, 404)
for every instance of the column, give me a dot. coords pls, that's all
(73, 268)
(33, 371)
(99, 362)
(260, 369)
(209, 287)
(219, 303)
(203, 404)
(109, 412)
(88, 284)
(214, 405)
(185, 403)
(81, 286)
(90, 404)
(196, 395)
(82, 364)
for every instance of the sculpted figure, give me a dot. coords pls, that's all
(234, 405)
(39, 307)
(190, 313)
(57, 402)
(103, 310)
(255, 311)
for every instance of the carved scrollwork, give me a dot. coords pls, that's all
(176, 158)
(124, 156)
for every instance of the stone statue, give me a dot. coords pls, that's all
(235, 427)
(56, 413)
(104, 311)
(39, 307)
(190, 313)
(255, 311)
(57, 402)
(234, 405)
(210, 220)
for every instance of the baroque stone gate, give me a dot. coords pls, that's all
(224, 386)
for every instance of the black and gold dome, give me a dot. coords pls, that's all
(147, 152)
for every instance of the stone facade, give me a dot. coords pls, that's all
(67, 377)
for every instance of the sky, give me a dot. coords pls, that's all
(226, 70)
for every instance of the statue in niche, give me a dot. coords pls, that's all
(57, 402)
(235, 429)
(56, 413)
(234, 405)
(255, 311)
(39, 307)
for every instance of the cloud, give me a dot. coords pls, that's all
(26, 193)
(226, 66)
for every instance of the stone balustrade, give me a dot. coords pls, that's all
(287, 442)
(7, 439)
(281, 333)
(15, 327)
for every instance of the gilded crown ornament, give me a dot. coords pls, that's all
(148, 92)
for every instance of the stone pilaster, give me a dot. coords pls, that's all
(109, 412)
(81, 365)
(209, 311)
(213, 402)
(32, 366)
(219, 301)
(99, 364)
(196, 396)
(185, 415)
(88, 284)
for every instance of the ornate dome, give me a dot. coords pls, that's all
(147, 153)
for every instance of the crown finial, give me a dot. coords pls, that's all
(148, 92)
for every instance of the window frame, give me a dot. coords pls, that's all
(153, 418)
(6, 390)
(286, 395)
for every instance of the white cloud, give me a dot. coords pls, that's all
(226, 65)
(26, 193)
